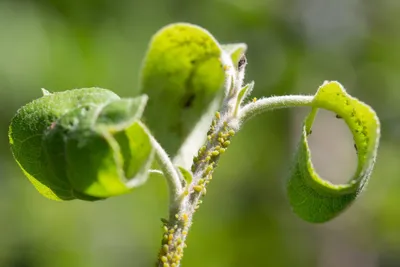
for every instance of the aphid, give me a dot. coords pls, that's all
(226, 143)
(242, 62)
(165, 248)
(198, 188)
(215, 153)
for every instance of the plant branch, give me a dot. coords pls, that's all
(270, 103)
(222, 129)
(218, 139)
(178, 225)
(169, 171)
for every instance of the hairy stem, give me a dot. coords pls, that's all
(270, 103)
(169, 172)
(222, 129)
(218, 139)
(177, 227)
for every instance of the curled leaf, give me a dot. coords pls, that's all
(313, 198)
(183, 76)
(82, 144)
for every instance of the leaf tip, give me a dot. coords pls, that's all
(45, 92)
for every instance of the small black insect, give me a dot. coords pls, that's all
(242, 62)
(338, 116)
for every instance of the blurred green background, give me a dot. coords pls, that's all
(294, 45)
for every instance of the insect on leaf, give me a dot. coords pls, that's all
(313, 198)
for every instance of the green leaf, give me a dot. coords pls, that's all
(104, 164)
(235, 51)
(123, 112)
(45, 92)
(182, 75)
(83, 143)
(243, 93)
(186, 175)
(313, 198)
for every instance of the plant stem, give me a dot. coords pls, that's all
(223, 127)
(170, 173)
(275, 102)
(178, 225)
(181, 213)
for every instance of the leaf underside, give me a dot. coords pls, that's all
(183, 77)
(313, 198)
(82, 143)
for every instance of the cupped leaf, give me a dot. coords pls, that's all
(183, 77)
(313, 198)
(106, 164)
(83, 143)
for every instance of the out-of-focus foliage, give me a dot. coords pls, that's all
(245, 221)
